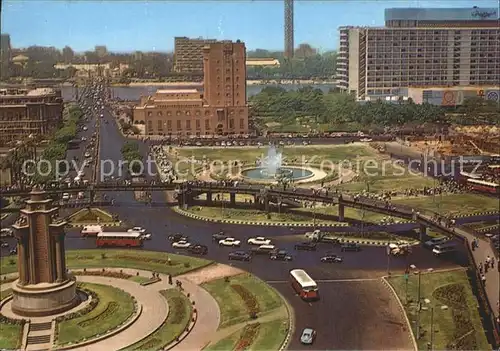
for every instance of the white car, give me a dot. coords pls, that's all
(146, 236)
(229, 242)
(6, 232)
(140, 230)
(65, 196)
(259, 240)
(183, 244)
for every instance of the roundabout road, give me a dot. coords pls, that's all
(356, 310)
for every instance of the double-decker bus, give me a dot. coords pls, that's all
(127, 239)
(483, 186)
(304, 285)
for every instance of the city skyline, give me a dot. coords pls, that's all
(52, 23)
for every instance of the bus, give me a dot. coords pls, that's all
(483, 186)
(126, 239)
(91, 230)
(304, 285)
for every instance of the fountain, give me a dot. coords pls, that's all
(271, 169)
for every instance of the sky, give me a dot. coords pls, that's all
(152, 25)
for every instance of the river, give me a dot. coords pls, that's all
(134, 93)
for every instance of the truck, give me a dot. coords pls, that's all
(319, 236)
(314, 235)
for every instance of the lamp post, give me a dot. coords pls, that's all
(419, 295)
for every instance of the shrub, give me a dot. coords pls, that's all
(248, 336)
(249, 299)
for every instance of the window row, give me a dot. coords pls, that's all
(188, 113)
(160, 125)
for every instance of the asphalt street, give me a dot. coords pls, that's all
(351, 314)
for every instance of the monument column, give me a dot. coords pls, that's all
(22, 258)
(43, 288)
(59, 259)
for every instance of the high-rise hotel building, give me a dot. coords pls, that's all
(421, 48)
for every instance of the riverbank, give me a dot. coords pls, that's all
(199, 84)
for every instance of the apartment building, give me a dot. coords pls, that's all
(188, 54)
(221, 109)
(28, 112)
(421, 48)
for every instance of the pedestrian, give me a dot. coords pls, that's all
(483, 279)
(486, 267)
(493, 262)
(480, 267)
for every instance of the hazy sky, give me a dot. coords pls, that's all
(152, 25)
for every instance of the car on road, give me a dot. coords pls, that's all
(4, 244)
(229, 242)
(146, 236)
(307, 337)
(435, 241)
(140, 230)
(331, 258)
(219, 236)
(259, 240)
(13, 251)
(306, 246)
(350, 247)
(178, 237)
(263, 250)
(181, 244)
(198, 249)
(65, 196)
(239, 256)
(281, 255)
(6, 232)
(87, 154)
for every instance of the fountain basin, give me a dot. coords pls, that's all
(263, 174)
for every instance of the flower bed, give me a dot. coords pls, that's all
(249, 299)
(110, 309)
(92, 304)
(178, 310)
(110, 274)
(146, 259)
(247, 336)
(454, 296)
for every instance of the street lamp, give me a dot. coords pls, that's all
(419, 295)
(431, 341)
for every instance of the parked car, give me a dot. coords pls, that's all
(308, 335)
(281, 255)
(306, 245)
(229, 242)
(259, 240)
(239, 256)
(198, 249)
(219, 236)
(4, 244)
(263, 250)
(178, 237)
(350, 247)
(181, 244)
(435, 241)
(330, 258)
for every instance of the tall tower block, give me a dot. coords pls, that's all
(44, 287)
(289, 29)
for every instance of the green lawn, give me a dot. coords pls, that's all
(179, 316)
(10, 336)
(452, 204)
(138, 259)
(270, 336)
(233, 308)
(226, 344)
(459, 323)
(139, 279)
(114, 308)
(92, 215)
(5, 293)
